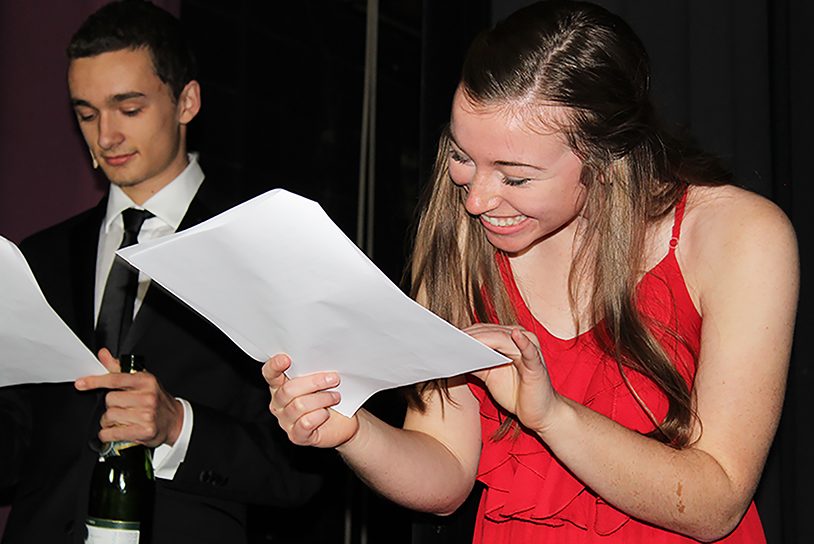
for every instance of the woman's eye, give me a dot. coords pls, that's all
(457, 157)
(514, 182)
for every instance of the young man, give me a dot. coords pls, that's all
(201, 403)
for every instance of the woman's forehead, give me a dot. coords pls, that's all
(524, 113)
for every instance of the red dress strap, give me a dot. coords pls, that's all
(679, 218)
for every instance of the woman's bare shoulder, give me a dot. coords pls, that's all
(730, 230)
(728, 214)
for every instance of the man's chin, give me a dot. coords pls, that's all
(122, 182)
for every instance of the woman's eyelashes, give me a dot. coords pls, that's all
(514, 182)
(458, 157)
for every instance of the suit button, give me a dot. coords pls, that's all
(212, 478)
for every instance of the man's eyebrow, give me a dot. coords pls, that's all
(115, 99)
(123, 97)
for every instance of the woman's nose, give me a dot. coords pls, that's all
(483, 195)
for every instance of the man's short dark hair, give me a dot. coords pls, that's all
(133, 24)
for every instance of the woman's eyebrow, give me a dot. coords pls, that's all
(499, 162)
(520, 164)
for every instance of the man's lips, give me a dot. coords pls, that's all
(118, 160)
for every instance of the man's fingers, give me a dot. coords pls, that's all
(118, 417)
(108, 361)
(112, 381)
(126, 433)
(87, 383)
(145, 399)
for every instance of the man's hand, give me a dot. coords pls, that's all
(138, 408)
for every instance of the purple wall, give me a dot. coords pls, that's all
(45, 173)
(45, 170)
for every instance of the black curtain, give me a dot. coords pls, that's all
(282, 104)
(736, 75)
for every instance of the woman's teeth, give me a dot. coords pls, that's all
(503, 221)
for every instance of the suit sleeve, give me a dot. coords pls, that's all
(15, 434)
(236, 451)
(249, 462)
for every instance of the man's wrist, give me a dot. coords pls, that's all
(168, 458)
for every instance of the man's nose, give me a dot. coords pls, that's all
(109, 134)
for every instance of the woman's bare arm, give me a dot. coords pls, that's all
(743, 270)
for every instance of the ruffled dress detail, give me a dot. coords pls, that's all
(529, 496)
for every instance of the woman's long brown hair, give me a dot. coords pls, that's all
(580, 56)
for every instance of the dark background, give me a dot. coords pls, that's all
(283, 92)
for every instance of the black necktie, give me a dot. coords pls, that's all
(116, 312)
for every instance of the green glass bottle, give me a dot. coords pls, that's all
(122, 488)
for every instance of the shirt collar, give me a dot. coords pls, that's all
(169, 204)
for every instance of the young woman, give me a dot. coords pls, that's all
(646, 304)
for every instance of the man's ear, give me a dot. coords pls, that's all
(189, 102)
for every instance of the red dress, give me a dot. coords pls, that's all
(529, 497)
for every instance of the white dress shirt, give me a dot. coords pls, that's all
(168, 206)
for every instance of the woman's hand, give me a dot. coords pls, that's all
(302, 406)
(523, 386)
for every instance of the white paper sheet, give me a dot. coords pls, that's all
(275, 274)
(35, 344)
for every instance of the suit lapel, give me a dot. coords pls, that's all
(203, 206)
(84, 242)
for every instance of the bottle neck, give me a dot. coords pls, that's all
(115, 449)
(130, 363)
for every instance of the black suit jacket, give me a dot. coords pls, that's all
(236, 455)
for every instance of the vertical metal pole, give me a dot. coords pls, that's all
(365, 214)
(373, 49)
(367, 143)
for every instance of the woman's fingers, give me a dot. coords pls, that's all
(302, 405)
(286, 389)
(296, 388)
(306, 430)
(530, 355)
(522, 387)
(305, 416)
(497, 337)
(274, 370)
